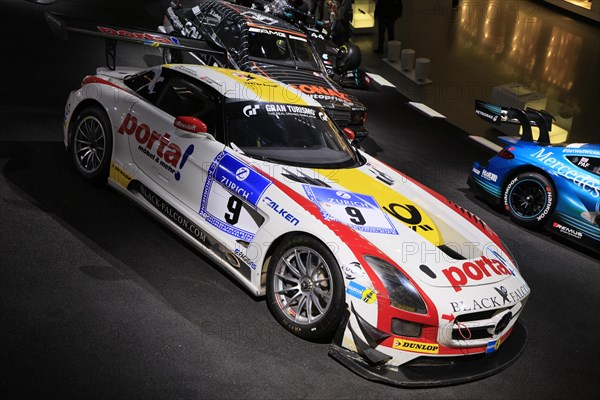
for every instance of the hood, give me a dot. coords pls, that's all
(433, 240)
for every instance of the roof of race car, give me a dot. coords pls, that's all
(234, 84)
(252, 17)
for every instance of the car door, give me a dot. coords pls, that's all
(177, 160)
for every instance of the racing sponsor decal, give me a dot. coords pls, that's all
(417, 347)
(567, 231)
(360, 292)
(119, 175)
(502, 298)
(169, 211)
(231, 192)
(281, 211)
(393, 203)
(585, 181)
(353, 270)
(322, 93)
(166, 154)
(287, 109)
(359, 211)
(148, 38)
(490, 176)
(474, 271)
(475, 171)
(245, 258)
(267, 31)
(493, 346)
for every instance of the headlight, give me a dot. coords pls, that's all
(403, 294)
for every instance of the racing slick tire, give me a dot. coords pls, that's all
(529, 198)
(305, 288)
(90, 144)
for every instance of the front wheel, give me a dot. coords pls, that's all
(90, 144)
(305, 288)
(529, 198)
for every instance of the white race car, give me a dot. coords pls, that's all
(413, 289)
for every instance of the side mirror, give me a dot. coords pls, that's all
(349, 133)
(347, 58)
(190, 124)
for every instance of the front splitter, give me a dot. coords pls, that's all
(455, 371)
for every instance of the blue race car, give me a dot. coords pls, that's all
(541, 185)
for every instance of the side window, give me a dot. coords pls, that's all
(147, 84)
(181, 97)
(229, 33)
(590, 164)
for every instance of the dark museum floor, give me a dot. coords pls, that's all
(97, 300)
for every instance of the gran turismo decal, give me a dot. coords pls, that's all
(417, 347)
(166, 154)
(149, 39)
(475, 270)
(503, 298)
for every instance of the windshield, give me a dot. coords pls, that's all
(280, 48)
(288, 134)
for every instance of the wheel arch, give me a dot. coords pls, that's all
(83, 105)
(527, 168)
(276, 243)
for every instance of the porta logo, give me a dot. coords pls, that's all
(474, 271)
(168, 155)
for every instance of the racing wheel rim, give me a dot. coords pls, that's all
(528, 198)
(303, 285)
(90, 143)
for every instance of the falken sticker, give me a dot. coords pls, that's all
(231, 191)
(359, 211)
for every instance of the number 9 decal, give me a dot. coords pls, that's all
(234, 205)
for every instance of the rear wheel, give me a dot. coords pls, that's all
(91, 144)
(529, 199)
(171, 56)
(305, 288)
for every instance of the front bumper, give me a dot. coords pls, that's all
(436, 371)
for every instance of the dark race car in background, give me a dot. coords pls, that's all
(257, 42)
(325, 41)
(542, 185)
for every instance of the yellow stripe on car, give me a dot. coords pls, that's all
(393, 203)
(265, 89)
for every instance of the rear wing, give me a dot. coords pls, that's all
(61, 25)
(526, 118)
